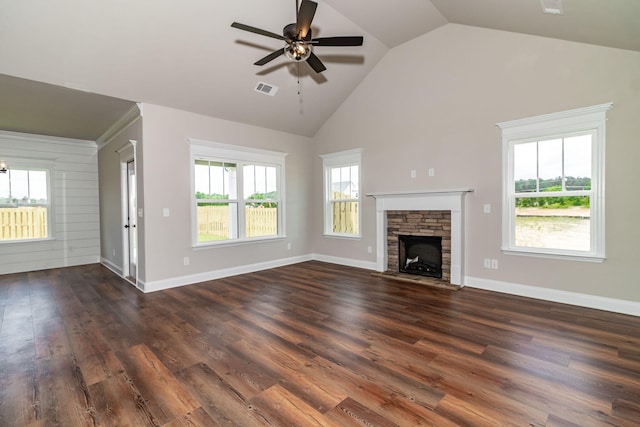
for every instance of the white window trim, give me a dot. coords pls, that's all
(332, 160)
(572, 121)
(20, 163)
(232, 154)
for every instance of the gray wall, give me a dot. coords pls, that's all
(166, 175)
(434, 102)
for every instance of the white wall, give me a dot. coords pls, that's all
(434, 102)
(75, 204)
(166, 176)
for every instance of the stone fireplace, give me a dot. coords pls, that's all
(437, 213)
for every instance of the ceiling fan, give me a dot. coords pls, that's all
(299, 42)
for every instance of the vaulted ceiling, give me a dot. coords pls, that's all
(73, 68)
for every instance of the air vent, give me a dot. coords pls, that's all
(266, 88)
(553, 7)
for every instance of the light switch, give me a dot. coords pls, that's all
(165, 211)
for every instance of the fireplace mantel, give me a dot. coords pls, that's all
(436, 200)
(418, 193)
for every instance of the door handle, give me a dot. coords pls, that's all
(126, 226)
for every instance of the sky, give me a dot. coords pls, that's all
(30, 184)
(219, 178)
(577, 158)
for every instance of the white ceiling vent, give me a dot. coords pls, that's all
(267, 89)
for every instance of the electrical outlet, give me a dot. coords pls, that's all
(369, 249)
(413, 173)
(432, 171)
(288, 246)
(486, 263)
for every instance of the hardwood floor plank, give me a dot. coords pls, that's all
(523, 387)
(163, 393)
(279, 407)
(461, 411)
(599, 386)
(84, 333)
(402, 409)
(19, 398)
(64, 397)
(97, 367)
(352, 413)
(196, 418)
(223, 403)
(628, 410)
(118, 402)
(473, 387)
(51, 339)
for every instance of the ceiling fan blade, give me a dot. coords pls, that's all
(315, 63)
(304, 18)
(256, 30)
(338, 41)
(270, 57)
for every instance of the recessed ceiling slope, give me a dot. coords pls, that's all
(612, 23)
(43, 109)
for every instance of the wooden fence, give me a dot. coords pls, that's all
(345, 217)
(214, 221)
(23, 223)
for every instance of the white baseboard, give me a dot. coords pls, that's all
(111, 266)
(234, 271)
(572, 298)
(367, 265)
(175, 282)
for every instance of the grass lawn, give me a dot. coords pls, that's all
(554, 228)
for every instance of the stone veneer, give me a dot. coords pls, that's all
(419, 223)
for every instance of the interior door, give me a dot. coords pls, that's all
(131, 220)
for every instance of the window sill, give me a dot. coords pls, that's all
(554, 255)
(26, 241)
(343, 236)
(236, 242)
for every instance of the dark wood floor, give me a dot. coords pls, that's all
(306, 345)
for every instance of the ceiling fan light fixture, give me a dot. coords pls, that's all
(297, 51)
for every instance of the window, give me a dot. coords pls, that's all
(342, 193)
(24, 204)
(238, 193)
(553, 184)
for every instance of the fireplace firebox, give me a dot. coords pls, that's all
(420, 255)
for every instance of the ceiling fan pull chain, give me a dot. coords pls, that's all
(298, 64)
